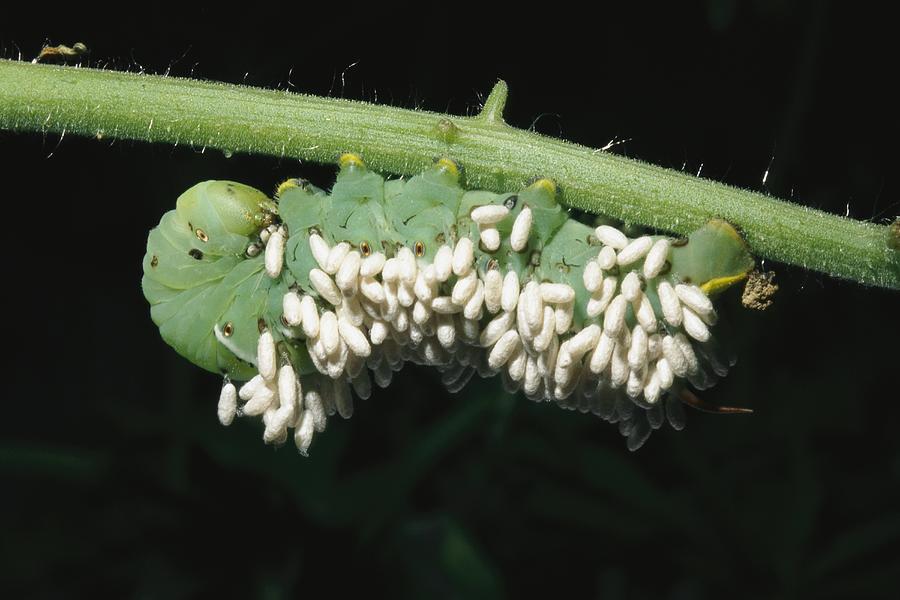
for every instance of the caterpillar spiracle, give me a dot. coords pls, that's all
(310, 296)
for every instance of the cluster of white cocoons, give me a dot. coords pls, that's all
(285, 404)
(622, 362)
(376, 312)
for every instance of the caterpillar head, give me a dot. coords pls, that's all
(198, 253)
(225, 207)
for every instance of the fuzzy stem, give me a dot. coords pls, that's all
(231, 118)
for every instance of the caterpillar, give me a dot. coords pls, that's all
(309, 296)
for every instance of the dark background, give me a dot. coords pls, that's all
(117, 478)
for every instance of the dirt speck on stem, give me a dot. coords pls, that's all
(759, 290)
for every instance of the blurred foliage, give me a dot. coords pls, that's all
(117, 479)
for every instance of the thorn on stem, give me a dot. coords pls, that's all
(492, 111)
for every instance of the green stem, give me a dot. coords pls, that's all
(496, 156)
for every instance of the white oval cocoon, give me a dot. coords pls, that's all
(558, 293)
(635, 250)
(446, 330)
(421, 312)
(614, 317)
(473, 306)
(320, 250)
(249, 389)
(354, 338)
(548, 330)
(489, 214)
(684, 344)
(378, 332)
(303, 435)
(325, 286)
(445, 305)
(336, 257)
(391, 305)
(390, 272)
(610, 236)
(694, 298)
(347, 277)
(260, 402)
(694, 326)
(602, 353)
(328, 332)
(372, 264)
(516, 365)
(643, 311)
(424, 290)
(291, 308)
(496, 328)
(312, 400)
(584, 341)
(401, 321)
(607, 258)
(490, 239)
(656, 258)
(592, 276)
(464, 288)
(619, 369)
(335, 364)
(408, 267)
(503, 349)
(493, 288)
(599, 302)
(564, 314)
(406, 296)
(670, 304)
(665, 374)
(652, 388)
(227, 404)
(521, 230)
(534, 307)
(287, 388)
(509, 295)
(532, 376)
(631, 286)
(274, 258)
(637, 353)
(463, 255)
(265, 355)
(635, 384)
(372, 289)
(310, 317)
(443, 263)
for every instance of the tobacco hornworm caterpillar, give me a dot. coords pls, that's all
(321, 288)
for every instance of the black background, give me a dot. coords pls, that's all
(117, 478)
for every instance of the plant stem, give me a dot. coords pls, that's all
(231, 118)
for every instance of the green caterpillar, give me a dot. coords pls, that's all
(322, 288)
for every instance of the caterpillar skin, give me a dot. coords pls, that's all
(305, 295)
